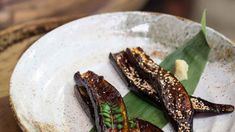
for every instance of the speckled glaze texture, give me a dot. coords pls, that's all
(41, 87)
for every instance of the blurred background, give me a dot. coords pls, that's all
(22, 22)
(220, 12)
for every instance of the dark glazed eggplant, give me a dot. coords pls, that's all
(139, 125)
(103, 103)
(108, 106)
(132, 78)
(174, 99)
(85, 102)
(203, 106)
(134, 62)
(142, 88)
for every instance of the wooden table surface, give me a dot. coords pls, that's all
(16, 39)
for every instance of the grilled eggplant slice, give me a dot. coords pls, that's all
(84, 100)
(112, 115)
(139, 125)
(173, 97)
(142, 88)
(132, 78)
(202, 106)
(109, 108)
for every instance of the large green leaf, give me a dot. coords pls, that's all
(195, 52)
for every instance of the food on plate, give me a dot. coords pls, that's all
(139, 125)
(131, 77)
(173, 97)
(202, 106)
(105, 106)
(108, 106)
(181, 70)
(160, 87)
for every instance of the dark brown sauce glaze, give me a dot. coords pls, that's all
(132, 78)
(86, 103)
(173, 97)
(101, 92)
(202, 106)
(144, 126)
(121, 63)
(126, 70)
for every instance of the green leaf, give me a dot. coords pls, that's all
(117, 116)
(119, 119)
(93, 129)
(116, 110)
(203, 22)
(108, 124)
(105, 115)
(107, 120)
(105, 107)
(137, 107)
(132, 123)
(119, 126)
(195, 52)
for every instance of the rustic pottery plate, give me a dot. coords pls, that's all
(41, 87)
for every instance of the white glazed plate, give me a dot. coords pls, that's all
(41, 88)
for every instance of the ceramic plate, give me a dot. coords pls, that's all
(41, 88)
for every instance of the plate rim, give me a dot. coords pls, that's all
(12, 105)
